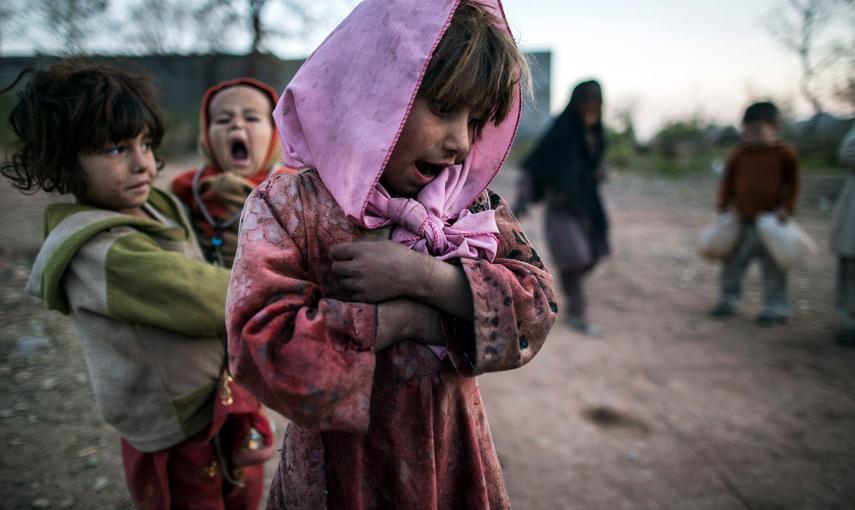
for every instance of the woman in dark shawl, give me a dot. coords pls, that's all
(564, 169)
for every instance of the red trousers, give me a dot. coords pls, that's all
(189, 476)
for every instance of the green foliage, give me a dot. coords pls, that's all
(520, 149)
(656, 162)
(685, 138)
(681, 147)
(622, 148)
(681, 131)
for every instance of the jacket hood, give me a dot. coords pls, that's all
(345, 109)
(69, 226)
(274, 151)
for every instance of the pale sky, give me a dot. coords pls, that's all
(670, 58)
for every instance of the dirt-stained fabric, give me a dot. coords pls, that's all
(397, 429)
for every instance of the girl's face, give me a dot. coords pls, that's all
(434, 137)
(591, 111)
(120, 176)
(240, 128)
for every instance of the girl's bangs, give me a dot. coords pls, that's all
(477, 65)
(121, 117)
(129, 118)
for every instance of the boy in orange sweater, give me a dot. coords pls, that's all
(762, 176)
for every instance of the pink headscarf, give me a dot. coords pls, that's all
(344, 111)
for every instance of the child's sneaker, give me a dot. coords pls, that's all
(767, 319)
(582, 326)
(722, 310)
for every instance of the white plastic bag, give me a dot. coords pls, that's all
(787, 242)
(717, 240)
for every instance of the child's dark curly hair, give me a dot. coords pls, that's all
(74, 108)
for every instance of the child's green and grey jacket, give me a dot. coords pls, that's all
(149, 312)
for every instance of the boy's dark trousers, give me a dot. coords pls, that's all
(747, 249)
(846, 292)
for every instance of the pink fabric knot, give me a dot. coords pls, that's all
(469, 235)
(406, 212)
(433, 230)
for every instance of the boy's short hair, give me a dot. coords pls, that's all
(764, 111)
(477, 64)
(72, 108)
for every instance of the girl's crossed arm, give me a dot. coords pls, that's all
(308, 357)
(379, 271)
(498, 313)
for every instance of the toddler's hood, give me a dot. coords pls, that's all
(274, 151)
(344, 110)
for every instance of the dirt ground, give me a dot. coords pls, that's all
(664, 409)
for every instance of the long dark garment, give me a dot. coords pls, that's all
(562, 170)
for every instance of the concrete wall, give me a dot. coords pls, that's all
(182, 79)
(536, 115)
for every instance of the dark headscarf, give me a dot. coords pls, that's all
(563, 165)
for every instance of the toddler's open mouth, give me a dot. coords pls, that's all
(240, 153)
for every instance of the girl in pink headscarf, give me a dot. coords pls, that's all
(368, 291)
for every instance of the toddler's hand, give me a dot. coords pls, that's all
(374, 271)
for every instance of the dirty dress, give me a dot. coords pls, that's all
(396, 429)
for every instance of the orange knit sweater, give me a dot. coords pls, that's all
(760, 179)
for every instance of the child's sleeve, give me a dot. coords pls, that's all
(792, 180)
(513, 303)
(305, 356)
(129, 277)
(725, 189)
(166, 289)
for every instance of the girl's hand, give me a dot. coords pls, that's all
(375, 271)
(406, 319)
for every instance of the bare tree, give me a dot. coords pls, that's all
(844, 87)
(159, 26)
(796, 27)
(219, 24)
(799, 25)
(7, 18)
(294, 19)
(623, 112)
(175, 26)
(73, 22)
(169, 26)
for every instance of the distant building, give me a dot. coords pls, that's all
(536, 116)
(182, 79)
